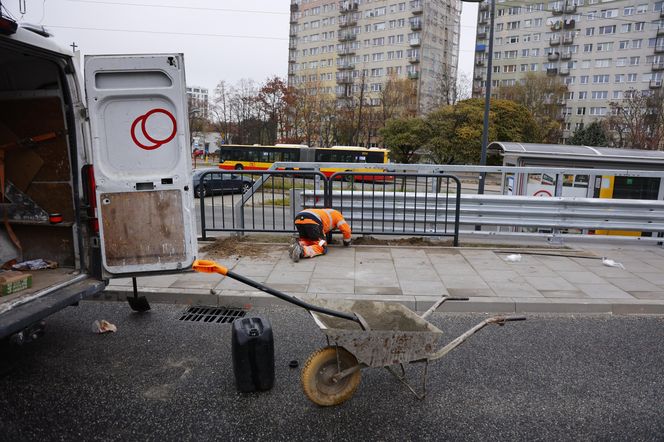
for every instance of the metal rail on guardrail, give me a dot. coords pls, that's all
(514, 212)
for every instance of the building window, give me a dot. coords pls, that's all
(580, 110)
(583, 95)
(584, 79)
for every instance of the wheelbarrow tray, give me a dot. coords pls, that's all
(396, 334)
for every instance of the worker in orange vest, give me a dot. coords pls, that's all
(313, 225)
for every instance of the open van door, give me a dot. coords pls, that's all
(140, 152)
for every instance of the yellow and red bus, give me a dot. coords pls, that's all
(239, 157)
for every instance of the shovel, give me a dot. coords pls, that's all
(138, 303)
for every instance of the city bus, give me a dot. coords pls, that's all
(256, 157)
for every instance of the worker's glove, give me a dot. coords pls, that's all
(346, 242)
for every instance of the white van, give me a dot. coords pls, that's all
(100, 187)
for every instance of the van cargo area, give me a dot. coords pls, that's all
(40, 203)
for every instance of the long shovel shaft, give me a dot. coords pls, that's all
(289, 298)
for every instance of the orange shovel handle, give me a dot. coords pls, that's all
(207, 266)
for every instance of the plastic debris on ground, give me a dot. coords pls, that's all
(103, 326)
(35, 264)
(611, 263)
(516, 257)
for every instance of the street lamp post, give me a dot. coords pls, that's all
(487, 99)
(487, 96)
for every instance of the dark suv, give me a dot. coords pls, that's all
(217, 181)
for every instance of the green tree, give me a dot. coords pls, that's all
(456, 131)
(593, 134)
(404, 137)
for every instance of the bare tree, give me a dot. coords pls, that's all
(544, 97)
(637, 121)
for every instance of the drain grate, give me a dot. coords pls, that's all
(216, 315)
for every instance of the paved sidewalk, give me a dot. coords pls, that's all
(417, 277)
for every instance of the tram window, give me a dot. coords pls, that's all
(641, 188)
(534, 178)
(568, 180)
(581, 181)
(548, 180)
(375, 157)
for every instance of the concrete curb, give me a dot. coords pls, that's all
(254, 298)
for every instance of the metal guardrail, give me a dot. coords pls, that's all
(270, 200)
(507, 211)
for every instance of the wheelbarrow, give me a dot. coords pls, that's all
(362, 334)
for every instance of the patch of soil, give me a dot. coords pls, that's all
(240, 246)
(413, 241)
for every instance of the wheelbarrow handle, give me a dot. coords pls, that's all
(207, 266)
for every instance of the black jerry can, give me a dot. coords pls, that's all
(253, 354)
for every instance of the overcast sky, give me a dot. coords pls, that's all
(221, 40)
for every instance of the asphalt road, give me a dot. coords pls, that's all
(158, 378)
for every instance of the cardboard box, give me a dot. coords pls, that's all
(12, 282)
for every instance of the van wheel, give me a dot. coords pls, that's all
(349, 178)
(239, 167)
(246, 186)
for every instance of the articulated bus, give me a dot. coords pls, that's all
(238, 157)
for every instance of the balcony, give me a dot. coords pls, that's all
(659, 49)
(344, 79)
(569, 24)
(568, 39)
(292, 43)
(557, 10)
(551, 72)
(291, 60)
(345, 66)
(484, 20)
(480, 48)
(570, 9)
(416, 8)
(477, 90)
(346, 50)
(563, 72)
(566, 56)
(345, 22)
(415, 41)
(553, 56)
(655, 84)
(481, 35)
(557, 26)
(661, 13)
(293, 19)
(478, 77)
(347, 36)
(413, 75)
(484, 6)
(658, 66)
(346, 6)
(479, 62)
(342, 95)
(415, 25)
(294, 7)
(660, 31)
(414, 59)
(554, 41)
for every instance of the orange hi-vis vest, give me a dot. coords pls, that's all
(330, 219)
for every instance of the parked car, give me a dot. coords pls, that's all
(217, 182)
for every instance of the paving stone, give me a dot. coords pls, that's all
(610, 272)
(466, 292)
(198, 280)
(552, 294)
(549, 283)
(647, 295)
(288, 288)
(603, 291)
(329, 272)
(581, 277)
(470, 282)
(376, 290)
(288, 277)
(655, 278)
(514, 290)
(418, 274)
(252, 270)
(633, 284)
(320, 285)
(401, 253)
(232, 284)
(500, 276)
(409, 287)
(560, 264)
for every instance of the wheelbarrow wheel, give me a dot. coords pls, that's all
(317, 373)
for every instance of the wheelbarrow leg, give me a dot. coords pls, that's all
(402, 378)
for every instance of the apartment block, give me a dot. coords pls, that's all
(341, 47)
(600, 49)
(197, 98)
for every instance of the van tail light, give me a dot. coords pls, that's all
(90, 195)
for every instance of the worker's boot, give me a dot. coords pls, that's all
(295, 250)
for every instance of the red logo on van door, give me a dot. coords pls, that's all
(150, 133)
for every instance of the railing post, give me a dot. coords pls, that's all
(201, 200)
